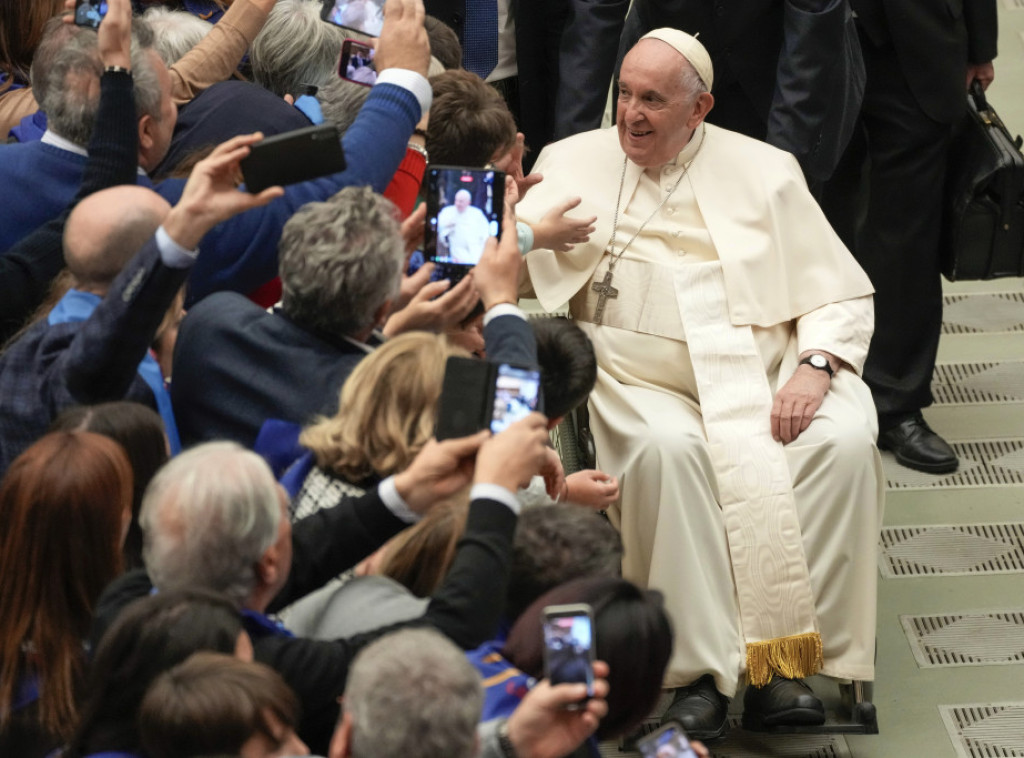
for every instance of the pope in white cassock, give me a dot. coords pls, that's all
(464, 229)
(730, 326)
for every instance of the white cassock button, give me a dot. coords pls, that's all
(676, 233)
(670, 210)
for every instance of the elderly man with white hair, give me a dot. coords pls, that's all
(730, 326)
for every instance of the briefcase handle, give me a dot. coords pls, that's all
(987, 113)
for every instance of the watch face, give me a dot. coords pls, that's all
(819, 361)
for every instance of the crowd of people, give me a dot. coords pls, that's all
(228, 526)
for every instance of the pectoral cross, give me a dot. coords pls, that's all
(605, 290)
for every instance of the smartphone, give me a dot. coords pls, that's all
(516, 395)
(294, 156)
(89, 13)
(569, 645)
(356, 64)
(464, 209)
(478, 394)
(363, 16)
(667, 741)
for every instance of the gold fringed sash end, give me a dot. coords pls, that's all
(793, 657)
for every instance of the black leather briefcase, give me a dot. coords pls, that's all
(983, 227)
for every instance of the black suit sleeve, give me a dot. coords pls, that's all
(332, 540)
(981, 17)
(102, 360)
(28, 268)
(509, 339)
(586, 62)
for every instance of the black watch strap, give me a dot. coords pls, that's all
(818, 361)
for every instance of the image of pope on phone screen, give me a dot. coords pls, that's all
(569, 645)
(465, 218)
(366, 16)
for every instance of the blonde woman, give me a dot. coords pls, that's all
(386, 413)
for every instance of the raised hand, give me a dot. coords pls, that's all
(211, 194)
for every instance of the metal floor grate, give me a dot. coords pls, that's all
(981, 638)
(994, 730)
(977, 383)
(983, 312)
(951, 550)
(741, 744)
(986, 463)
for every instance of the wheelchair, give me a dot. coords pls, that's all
(851, 711)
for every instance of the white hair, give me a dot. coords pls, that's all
(176, 32)
(207, 517)
(295, 49)
(425, 680)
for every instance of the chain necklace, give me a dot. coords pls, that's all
(604, 288)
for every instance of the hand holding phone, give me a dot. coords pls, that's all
(569, 645)
(480, 394)
(294, 156)
(464, 210)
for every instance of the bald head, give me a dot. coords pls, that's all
(106, 230)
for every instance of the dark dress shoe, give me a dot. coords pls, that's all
(916, 446)
(701, 710)
(781, 702)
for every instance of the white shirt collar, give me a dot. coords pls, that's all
(61, 143)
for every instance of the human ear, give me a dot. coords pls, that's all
(701, 107)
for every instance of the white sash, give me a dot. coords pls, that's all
(776, 602)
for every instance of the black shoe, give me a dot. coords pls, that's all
(781, 702)
(701, 710)
(916, 446)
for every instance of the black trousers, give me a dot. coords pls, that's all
(885, 202)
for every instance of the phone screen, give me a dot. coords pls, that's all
(357, 63)
(464, 207)
(569, 645)
(667, 742)
(516, 391)
(363, 16)
(89, 13)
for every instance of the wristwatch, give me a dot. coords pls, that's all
(818, 361)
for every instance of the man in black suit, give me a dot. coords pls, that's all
(558, 84)
(886, 198)
(788, 72)
(93, 346)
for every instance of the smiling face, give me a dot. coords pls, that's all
(655, 113)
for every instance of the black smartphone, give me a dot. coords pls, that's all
(667, 741)
(295, 156)
(356, 64)
(363, 16)
(89, 13)
(479, 394)
(464, 209)
(569, 645)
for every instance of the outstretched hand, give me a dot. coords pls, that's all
(513, 457)
(558, 232)
(211, 194)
